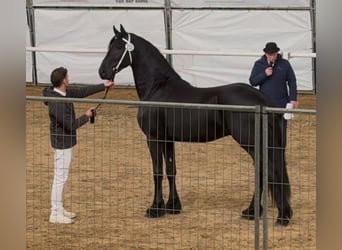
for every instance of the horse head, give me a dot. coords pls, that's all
(119, 54)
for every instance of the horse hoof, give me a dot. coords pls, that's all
(155, 212)
(247, 216)
(173, 211)
(282, 222)
(248, 213)
(284, 218)
(173, 207)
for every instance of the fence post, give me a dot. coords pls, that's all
(257, 151)
(265, 176)
(31, 25)
(168, 28)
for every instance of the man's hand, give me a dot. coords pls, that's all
(269, 71)
(108, 84)
(295, 104)
(89, 112)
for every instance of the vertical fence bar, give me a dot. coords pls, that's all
(168, 28)
(257, 175)
(31, 25)
(313, 25)
(265, 176)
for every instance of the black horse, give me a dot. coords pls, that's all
(155, 80)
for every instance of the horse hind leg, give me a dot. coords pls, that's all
(285, 212)
(157, 208)
(173, 205)
(242, 130)
(249, 213)
(279, 186)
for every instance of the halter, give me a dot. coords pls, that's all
(129, 47)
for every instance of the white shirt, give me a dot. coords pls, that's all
(59, 91)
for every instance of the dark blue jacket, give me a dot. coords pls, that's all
(275, 86)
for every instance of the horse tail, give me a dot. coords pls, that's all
(278, 179)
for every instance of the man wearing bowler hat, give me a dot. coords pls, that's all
(276, 79)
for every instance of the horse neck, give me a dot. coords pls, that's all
(150, 69)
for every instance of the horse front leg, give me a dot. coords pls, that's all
(157, 208)
(173, 205)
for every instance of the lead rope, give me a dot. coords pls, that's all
(129, 47)
(93, 111)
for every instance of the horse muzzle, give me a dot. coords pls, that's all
(104, 75)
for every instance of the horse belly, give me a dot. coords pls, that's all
(195, 125)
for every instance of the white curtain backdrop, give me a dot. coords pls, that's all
(238, 31)
(100, 3)
(176, 3)
(240, 3)
(89, 30)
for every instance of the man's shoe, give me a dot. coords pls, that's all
(60, 219)
(70, 215)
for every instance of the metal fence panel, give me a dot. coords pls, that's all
(110, 185)
(301, 166)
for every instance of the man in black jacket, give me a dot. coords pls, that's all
(275, 76)
(63, 126)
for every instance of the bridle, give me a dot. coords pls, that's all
(129, 47)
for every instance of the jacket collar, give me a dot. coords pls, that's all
(59, 91)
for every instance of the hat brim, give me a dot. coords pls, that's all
(271, 51)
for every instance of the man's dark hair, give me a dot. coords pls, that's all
(57, 76)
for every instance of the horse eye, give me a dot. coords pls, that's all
(119, 45)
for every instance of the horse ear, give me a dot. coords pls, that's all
(122, 29)
(116, 32)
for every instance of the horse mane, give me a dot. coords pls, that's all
(151, 51)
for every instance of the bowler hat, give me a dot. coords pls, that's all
(271, 47)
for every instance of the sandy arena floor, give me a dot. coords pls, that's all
(110, 187)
